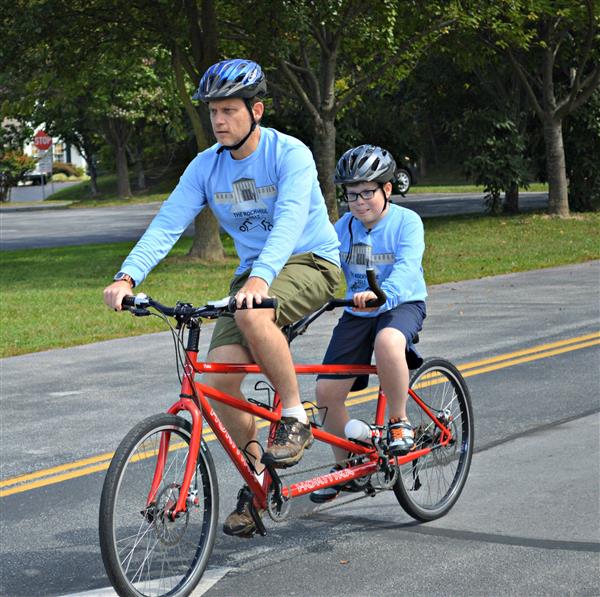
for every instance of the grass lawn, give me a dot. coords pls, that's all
(80, 196)
(52, 298)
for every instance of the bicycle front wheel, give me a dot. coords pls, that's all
(145, 553)
(429, 486)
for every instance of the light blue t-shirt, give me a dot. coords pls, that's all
(394, 247)
(270, 203)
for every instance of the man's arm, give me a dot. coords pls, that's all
(175, 215)
(295, 186)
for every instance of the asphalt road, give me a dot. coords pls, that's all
(25, 228)
(526, 524)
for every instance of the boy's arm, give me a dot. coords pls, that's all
(406, 272)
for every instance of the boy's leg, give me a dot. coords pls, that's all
(331, 395)
(390, 355)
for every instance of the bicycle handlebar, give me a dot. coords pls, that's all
(214, 309)
(185, 310)
(373, 287)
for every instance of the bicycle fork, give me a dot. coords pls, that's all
(184, 403)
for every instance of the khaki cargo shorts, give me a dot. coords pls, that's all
(302, 286)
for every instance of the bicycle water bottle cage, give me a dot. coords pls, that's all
(265, 388)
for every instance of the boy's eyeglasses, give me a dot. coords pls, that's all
(367, 195)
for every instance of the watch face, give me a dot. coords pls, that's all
(119, 276)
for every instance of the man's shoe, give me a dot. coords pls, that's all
(291, 439)
(240, 522)
(401, 437)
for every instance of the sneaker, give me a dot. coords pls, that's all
(327, 493)
(291, 439)
(240, 522)
(401, 437)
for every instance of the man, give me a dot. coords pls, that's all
(262, 187)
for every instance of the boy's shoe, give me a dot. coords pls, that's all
(327, 493)
(240, 522)
(292, 437)
(401, 437)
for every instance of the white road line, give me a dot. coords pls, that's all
(211, 576)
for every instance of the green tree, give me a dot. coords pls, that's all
(554, 51)
(324, 53)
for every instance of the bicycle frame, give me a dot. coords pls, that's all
(260, 490)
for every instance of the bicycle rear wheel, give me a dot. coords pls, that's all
(429, 486)
(144, 552)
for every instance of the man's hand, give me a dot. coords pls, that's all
(360, 301)
(255, 289)
(113, 294)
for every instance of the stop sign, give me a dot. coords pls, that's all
(42, 140)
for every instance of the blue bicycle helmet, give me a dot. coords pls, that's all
(231, 78)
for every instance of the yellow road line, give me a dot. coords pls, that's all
(87, 466)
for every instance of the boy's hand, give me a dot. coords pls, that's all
(360, 301)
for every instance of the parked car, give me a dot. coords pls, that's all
(32, 177)
(406, 175)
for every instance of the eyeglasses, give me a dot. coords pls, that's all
(367, 195)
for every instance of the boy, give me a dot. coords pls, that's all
(391, 238)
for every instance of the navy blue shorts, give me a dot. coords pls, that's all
(353, 339)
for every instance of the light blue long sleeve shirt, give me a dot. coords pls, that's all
(394, 247)
(270, 203)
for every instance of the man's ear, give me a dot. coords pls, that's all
(387, 189)
(258, 109)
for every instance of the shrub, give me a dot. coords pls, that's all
(13, 165)
(59, 177)
(64, 168)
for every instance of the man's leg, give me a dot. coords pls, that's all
(271, 351)
(241, 425)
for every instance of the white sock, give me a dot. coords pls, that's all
(296, 412)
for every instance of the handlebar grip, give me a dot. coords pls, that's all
(374, 287)
(128, 301)
(267, 303)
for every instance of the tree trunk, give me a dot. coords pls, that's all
(511, 199)
(123, 186)
(324, 152)
(91, 161)
(558, 198)
(117, 133)
(207, 243)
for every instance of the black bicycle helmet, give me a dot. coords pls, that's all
(365, 163)
(231, 78)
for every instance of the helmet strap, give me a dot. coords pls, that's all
(252, 127)
(385, 199)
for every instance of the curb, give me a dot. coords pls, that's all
(37, 206)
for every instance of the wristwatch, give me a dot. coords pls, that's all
(122, 276)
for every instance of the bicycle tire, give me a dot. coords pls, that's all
(144, 553)
(428, 487)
